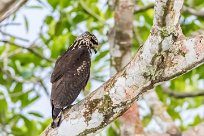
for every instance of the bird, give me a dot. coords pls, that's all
(71, 74)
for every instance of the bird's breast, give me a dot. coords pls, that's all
(82, 68)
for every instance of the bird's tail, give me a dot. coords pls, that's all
(56, 117)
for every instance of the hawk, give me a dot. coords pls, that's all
(71, 74)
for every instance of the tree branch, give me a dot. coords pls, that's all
(9, 24)
(120, 40)
(195, 12)
(16, 37)
(165, 55)
(190, 10)
(120, 37)
(8, 7)
(142, 9)
(90, 12)
(29, 49)
(182, 95)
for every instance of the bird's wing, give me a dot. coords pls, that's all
(67, 81)
(60, 66)
(65, 62)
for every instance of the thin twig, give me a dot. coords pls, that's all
(16, 78)
(42, 3)
(44, 87)
(182, 95)
(90, 12)
(195, 12)
(145, 8)
(17, 37)
(10, 24)
(21, 80)
(29, 49)
(17, 94)
(15, 52)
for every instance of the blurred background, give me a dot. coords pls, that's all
(33, 38)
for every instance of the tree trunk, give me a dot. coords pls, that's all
(120, 39)
(8, 7)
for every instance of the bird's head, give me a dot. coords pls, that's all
(88, 39)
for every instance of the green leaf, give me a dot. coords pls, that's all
(53, 3)
(14, 94)
(35, 114)
(197, 120)
(117, 123)
(173, 113)
(34, 7)
(112, 132)
(17, 131)
(87, 88)
(44, 124)
(146, 120)
(26, 23)
(160, 94)
(59, 28)
(101, 55)
(31, 129)
(4, 107)
(48, 19)
(25, 101)
(64, 3)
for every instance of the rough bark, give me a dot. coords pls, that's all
(8, 7)
(120, 40)
(120, 37)
(161, 115)
(166, 54)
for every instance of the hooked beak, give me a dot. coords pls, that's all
(94, 48)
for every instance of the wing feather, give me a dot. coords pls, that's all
(67, 80)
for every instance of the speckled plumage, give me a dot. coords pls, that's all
(71, 74)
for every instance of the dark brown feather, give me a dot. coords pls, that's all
(71, 74)
(69, 77)
(67, 81)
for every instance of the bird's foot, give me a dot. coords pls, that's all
(57, 121)
(69, 107)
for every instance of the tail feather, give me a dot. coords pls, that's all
(56, 117)
(55, 112)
